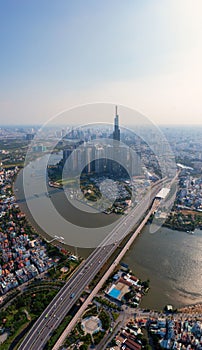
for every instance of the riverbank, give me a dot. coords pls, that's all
(171, 260)
(184, 221)
(191, 309)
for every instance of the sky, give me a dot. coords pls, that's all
(143, 54)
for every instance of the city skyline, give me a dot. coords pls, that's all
(111, 157)
(100, 174)
(144, 55)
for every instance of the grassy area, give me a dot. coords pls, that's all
(14, 318)
(106, 302)
(92, 311)
(115, 315)
(15, 152)
(34, 300)
(97, 337)
(56, 274)
(75, 336)
(8, 342)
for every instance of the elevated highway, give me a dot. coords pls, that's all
(71, 291)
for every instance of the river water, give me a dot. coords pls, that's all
(171, 260)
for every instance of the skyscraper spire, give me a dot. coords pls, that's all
(116, 133)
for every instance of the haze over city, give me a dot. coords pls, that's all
(100, 175)
(142, 54)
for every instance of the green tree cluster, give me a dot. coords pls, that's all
(105, 319)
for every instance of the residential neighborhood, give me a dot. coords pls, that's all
(161, 331)
(23, 254)
(189, 195)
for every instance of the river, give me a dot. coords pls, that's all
(171, 260)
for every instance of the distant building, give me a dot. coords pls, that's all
(30, 137)
(39, 148)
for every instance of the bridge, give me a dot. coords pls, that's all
(71, 291)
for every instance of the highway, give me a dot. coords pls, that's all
(106, 275)
(71, 291)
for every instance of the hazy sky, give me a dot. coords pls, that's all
(145, 54)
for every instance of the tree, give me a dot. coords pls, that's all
(83, 347)
(38, 307)
(145, 284)
(105, 319)
(20, 302)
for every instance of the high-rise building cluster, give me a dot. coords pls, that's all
(111, 157)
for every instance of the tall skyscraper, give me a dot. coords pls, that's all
(116, 133)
